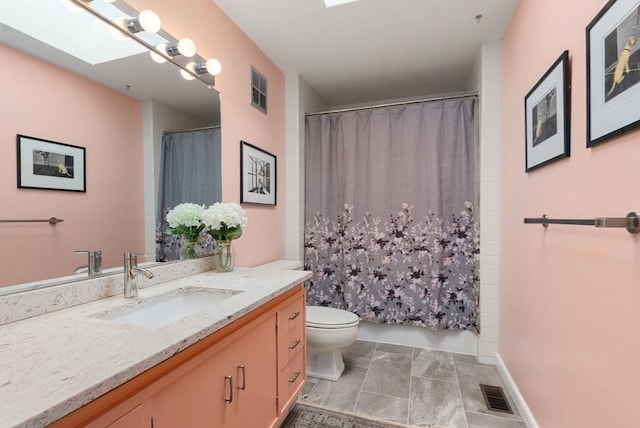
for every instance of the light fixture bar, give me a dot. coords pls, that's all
(210, 81)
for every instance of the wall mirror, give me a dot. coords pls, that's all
(169, 102)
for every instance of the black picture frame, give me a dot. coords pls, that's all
(613, 74)
(548, 116)
(50, 165)
(258, 175)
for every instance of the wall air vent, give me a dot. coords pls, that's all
(258, 90)
(495, 399)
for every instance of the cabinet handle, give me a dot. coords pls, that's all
(229, 380)
(295, 377)
(294, 316)
(295, 344)
(244, 377)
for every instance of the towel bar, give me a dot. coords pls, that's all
(52, 221)
(631, 222)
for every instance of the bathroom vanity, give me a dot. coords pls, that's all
(114, 362)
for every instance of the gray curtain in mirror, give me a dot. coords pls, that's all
(189, 172)
(391, 213)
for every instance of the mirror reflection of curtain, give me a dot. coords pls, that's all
(391, 213)
(189, 172)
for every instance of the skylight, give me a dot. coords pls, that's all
(52, 23)
(331, 3)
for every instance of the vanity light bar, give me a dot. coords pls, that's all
(208, 79)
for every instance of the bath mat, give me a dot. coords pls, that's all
(305, 416)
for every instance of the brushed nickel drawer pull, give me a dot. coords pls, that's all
(295, 344)
(295, 377)
(229, 380)
(294, 316)
(244, 377)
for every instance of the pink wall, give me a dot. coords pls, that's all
(569, 295)
(217, 36)
(31, 105)
(43, 101)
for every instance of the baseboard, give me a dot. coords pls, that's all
(459, 341)
(525, 412)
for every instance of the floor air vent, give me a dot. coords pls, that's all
(495, 398)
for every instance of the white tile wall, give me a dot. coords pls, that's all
(293, 212)
(149, 182)
(490, 105)
(299, 99)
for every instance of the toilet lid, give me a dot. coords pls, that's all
(323, 317)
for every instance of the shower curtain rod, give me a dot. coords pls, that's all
(400, 103)
(190, 130)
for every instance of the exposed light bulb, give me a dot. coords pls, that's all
(186, 47)
(191, 67)
(149, 21)
(162, 47)
(213, 66)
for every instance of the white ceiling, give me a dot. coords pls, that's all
(372, 50)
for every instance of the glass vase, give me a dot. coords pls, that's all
(188, 249)
(225, 257)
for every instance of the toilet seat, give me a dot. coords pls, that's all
(330, 318)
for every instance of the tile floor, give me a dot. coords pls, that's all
(411, 386)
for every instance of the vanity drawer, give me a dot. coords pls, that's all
(291, 316)
(289, 346)
(290, 380)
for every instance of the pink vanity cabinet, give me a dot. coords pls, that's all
(246, 374)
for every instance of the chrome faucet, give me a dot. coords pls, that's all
(131, 271)
(94, 262)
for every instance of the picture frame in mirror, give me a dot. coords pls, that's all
(50, 165)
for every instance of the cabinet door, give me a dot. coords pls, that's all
(196, 399)
(133, 413)
(255, 362)
(235, 387)
(138, 417)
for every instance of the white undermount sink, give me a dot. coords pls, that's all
(166, 308)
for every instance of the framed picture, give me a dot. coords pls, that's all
(44, 164)
(547, 116)
(257, 175)
(613, 71)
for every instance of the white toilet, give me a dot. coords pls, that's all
(328, 331)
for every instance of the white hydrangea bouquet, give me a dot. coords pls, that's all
(186, 220)
(224, 222)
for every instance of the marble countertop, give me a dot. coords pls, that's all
(53, 364)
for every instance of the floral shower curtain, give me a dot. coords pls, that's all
(189, 172)
(391, 229)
